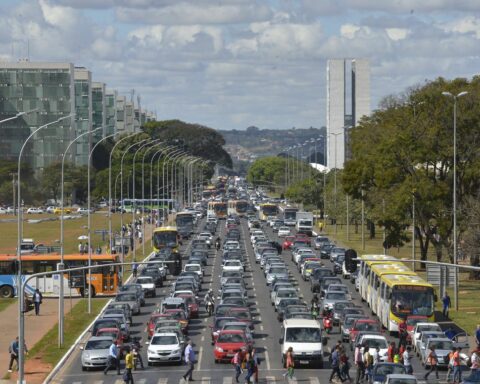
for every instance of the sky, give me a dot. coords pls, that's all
(230, 64)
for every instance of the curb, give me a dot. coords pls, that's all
(67, 354)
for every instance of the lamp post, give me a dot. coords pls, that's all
(173, 175)
(413, 230)
(19, 114)
(455, 256)
(20, 294)
(335, 176)
(62, 250)
(175, 152)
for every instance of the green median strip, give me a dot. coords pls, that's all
(4, 303)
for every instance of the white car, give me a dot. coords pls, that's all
(148, 285)
(3, 211)
(283, 231)
(197, 268)
(207, 237)
(82, 211)
(400, 379)
(233, 265)
(34, 210)
(50, 209)
(164, 348)
(374, 341)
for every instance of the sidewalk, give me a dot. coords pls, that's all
(35, 328)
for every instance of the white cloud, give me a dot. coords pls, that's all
(466, 25)
(397, 33)
(349, 30)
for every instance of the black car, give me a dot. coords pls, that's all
(325, 251)
(316, 277)
(338, 264)
(154, 273)
(286, 303)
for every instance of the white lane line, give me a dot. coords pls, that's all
(314, 380)
(270, 379)
(261, 327)
(141, 381)
(200, 355)
(205, 380)
(227, 380)
(202, 339)
(162, 380)
(267, 360)
(118, 381)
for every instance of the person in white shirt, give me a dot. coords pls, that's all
(407, 360)
(189, 360)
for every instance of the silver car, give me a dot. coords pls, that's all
(277, 273)
(130, 298)
(95, 352)
(332, 297)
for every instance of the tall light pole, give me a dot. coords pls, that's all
(169, 156)
(19, 114)
(455, 256)
(62, 249)
(335, 176)
(21, 319)
(413, 230)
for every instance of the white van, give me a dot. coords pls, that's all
(305, 337)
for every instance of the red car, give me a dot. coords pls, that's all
(364, 325)
(192, 305)
(177, 314)
(151, 323)
(228, 343)
(241, 314)
(301, 236)
(218, 325)
(114, 333)
(411, 323)
(288, 242)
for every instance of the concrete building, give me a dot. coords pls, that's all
(129, 117)
(99, 110)
(120, 112)
(110, 112)
(348, 99)
(48, 87)
(83, 111)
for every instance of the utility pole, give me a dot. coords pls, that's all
(13, 174)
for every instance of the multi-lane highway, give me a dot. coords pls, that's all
(266, 333)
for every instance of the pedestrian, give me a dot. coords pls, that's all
(37, 301)
(113, 358)
(358, 359)
(402, 333)
(335, 362)
(457, 369)
(432, 361)
(368, 360)
(446, 304)
(237, 361)
(189, 360)
(134, 270)
(376, 355)
(140, 236)
(450, 363)
(477, 336)
(98, 251)
(475, 360)
(128, 375)
(391, 352)
(257, 363)
(13, 350)
(250, 366)
(80, 248)
(289, 363)
(407, 360)
(345, 366)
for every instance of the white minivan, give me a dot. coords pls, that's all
(305, 337)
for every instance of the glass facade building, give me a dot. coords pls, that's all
(83, 110)
(47, 87)
(110, 112)
(98, 110)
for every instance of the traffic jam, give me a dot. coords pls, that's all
(336, 316)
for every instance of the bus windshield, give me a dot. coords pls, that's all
(220, 207)
(241, 206)
(164, 238)
(412, 300)
(270, 210)
(184, 220)
(290, 214)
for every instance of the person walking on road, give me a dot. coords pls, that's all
(368, 361)
(407, 360)
(237, 361)
(128, 375)
(189, 360)
(477, 336)
(336, 365)
(475, 359)
(345, 366)
(134, 270)
(457, 369)
(13, 351)
(250, 366)
(113, 360)
(289, 364)
(432, 361)
(446, 304)
(358, 358)
(257, 363)
(37, 300)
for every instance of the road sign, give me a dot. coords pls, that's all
(102, 232)
(441, 275)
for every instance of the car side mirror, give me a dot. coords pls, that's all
(147, 342)
(324, 341)
(280, 340)
(81, 348)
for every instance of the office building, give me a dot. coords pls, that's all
(110, 112)
(348, 99)
(48, 88)
(99, 117)
(83, 112)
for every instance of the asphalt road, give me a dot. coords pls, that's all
(267, 332)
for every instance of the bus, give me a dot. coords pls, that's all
(165, 237)
(377, 271)
(104, 280)
(152, 204)
(237, 207)
(402, 296)
(184, 222)
(365, 264)
(290, 216)
(217, 209)
(266, 210)
(209, 192)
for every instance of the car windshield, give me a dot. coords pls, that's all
(144, 280)
(235, 327)
(287, 293)
(389, 369)
(112, 334)
(98, 344)
(303, 335)
(231, 338)
(338, 288)
(369, 327)
(440, 344)
(278, 270)
(335, 296)
(127, 288)
(126, 297)
(192, 268)
(374, 343)
(350, 320)
(164, 340)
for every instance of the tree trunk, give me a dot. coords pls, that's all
(424, 243)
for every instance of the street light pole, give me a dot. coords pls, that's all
(413, 230)
(19, 114)
(335, 177)
(62, 249)
(455, 255)
(20, 294)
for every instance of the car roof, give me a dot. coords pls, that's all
(165, 334)
(301, 323)
(96, 338)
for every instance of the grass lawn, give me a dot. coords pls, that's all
(75, 322)
(4, 303)
(48, 232)
(469, 305)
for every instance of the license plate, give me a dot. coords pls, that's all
(230, 354)
(304, 362)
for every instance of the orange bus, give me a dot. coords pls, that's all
(104, 280)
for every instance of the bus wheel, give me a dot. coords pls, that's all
(6, 291)
(84, 292)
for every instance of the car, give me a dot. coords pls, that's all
(33, 210)
(228, 343)
(364, 325)
(148, 285)
(83, 211)
(284, 293)
(338, 309)
(114, 333)
(125, 308)
(319, 241)
(241, 314)
(276, 273)
(227, 274)
(412, 321)
(335, 253)
(443, 346)
(331, 298)
(317, 276)
(373, 341)
(282, 306)
(155, 274)
(347, 325)
(124, 327)
(58, 211)
(95, 352)
(288, 242)
(233, 265)
(135, 288)
(382, 370)
(192, 305)
(217, 326)
(424, 337)
(283, 231)
(325, 250)
(276, 286)
(3, 211)
(197, 268)
(421, 327)
(131, 299)
(338, 264)
(164, 348)
(106, 323)
(239, 326)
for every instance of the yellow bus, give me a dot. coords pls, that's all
(266, 210)
(237, 207)
(165, 237)
(376, 273)
(365, 265)
(217, 209)
(402, 296)
(104, 280)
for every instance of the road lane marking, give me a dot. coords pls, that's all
(270, 379)
(314, 380)
(261, 327)
(267, 360)
(162, 380)
(202, 339)
(227, 380)
(205, 380)
(200, 355)
(141, 381)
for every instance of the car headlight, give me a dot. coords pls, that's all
(219, 349)
(176, 350)
(150, 350)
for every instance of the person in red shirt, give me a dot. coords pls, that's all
(402, 333)
(391, 352)
(457, 369)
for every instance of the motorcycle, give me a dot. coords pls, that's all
(137, 356)
(327, 324)
(314, 311)
(210, 307)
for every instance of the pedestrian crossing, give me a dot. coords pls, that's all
(202, 380)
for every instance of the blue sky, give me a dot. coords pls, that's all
(234, 63)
